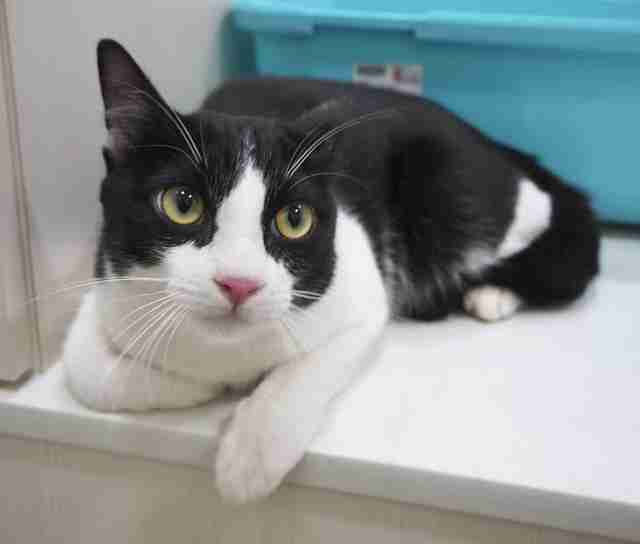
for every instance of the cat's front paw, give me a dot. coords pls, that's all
(252, 458)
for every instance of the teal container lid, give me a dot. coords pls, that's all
(607, 25)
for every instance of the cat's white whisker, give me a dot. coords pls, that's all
(156, 304)
(173, 117)
(307, 297)
(301, 145)
(172, 147)
(177, 324)
(300, 316)
(327, 174)
(152, 346)
(129, 346)
(92, 283)
(302, 292)
(146, 349)
(330, 134)
(140, 295)
(159, 315)
(202, 145)
(154, 310)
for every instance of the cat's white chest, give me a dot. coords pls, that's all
(185, 369)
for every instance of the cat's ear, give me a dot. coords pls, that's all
(131, 103)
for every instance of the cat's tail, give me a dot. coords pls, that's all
(558, 266)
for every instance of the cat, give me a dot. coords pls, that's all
(262, 243)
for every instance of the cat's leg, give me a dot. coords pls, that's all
(100, 379)
(271, 429)
(548, 256)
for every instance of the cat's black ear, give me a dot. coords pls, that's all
(131, 102)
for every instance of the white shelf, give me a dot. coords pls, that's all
(536, 419)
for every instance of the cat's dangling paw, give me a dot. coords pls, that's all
(491, 303)
(251, 460)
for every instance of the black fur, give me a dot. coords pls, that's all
(426, 185)
(441, 186)
(148, 154)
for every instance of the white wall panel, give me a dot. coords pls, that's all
(60, 115)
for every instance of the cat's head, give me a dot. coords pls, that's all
(205, 202)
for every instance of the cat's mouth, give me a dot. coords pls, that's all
(231, 315)
(214, 310)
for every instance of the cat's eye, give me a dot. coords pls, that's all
(295, 221)
(180, 205)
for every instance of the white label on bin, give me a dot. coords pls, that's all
(404, 78)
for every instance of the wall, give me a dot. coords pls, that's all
(185, 46)
(17, 336)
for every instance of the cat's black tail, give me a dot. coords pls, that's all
(559, 265)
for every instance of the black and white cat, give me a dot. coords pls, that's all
(264, 241)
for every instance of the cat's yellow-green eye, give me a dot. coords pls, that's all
(295, 221)
(181, 205)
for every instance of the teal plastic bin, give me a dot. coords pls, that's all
(559, 81)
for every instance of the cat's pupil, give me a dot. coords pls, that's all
(294, 216)
(184, 200)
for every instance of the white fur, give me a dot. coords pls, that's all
(237, 250)
(272, 428)
(189, 347)
(532, 217)
(101, 380)
(478, 259)
(491, 303)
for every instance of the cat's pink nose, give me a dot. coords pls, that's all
(237, 290)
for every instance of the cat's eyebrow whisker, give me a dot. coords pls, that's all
(301, 145)
(330, 134)
(171, 114)
(203, 148)
(173, 147)
(336, 174)
(173, 117)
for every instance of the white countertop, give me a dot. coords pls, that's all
(535, 419)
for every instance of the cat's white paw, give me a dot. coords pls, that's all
(491, 303)
(252, 459)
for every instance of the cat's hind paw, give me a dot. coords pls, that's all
(491, 303)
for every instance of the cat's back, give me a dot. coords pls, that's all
(394, 121)
(289, 98)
